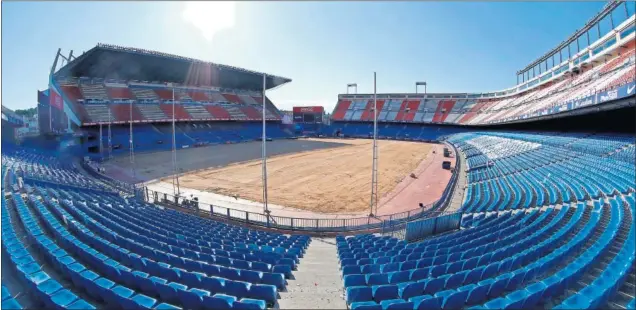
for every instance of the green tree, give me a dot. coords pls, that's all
(26, 112)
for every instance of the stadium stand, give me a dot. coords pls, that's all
(99, 113)
(158, 136)
(94, 237)
(176, 111)
(198, 96)
(94, 91)
(144, 93)
(94, 99)
(118, 91)
(151, 112)
(232, 98)
(553, 96)
(124, 112)
(197, 111)
(218, 112)
(549, 222)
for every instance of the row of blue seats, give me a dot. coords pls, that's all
(607, 283)
(40, 164)
(286, 246)
(459, 261)
(471, 293)
(143, 245)
(147, 137)
(563, 279)
(136, 280)
(47, 291)
(541, 185)
(194, 233)
(478, 256)
(97, 282)
(150, 262)
(8, 302)
(429, 248)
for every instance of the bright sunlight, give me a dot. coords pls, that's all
(210, 17)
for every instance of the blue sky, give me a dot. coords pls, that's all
(321, 46)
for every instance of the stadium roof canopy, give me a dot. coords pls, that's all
(11, 117)
(133, 64)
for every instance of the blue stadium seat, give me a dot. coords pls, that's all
(359, 294)
(79, 305)
(396, 304)
(426, 302)
(385, 292)
(11, 303)
(165, 306)
(249, 304)
(192, 298)
(365, 305)
(169, 292)
(264, 292)
(377, 279)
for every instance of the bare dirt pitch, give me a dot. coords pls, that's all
(332, 180)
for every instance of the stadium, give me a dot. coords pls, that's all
(159, 181)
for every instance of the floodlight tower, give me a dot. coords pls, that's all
(264, 151)
(354, 85)
(373, 204)
(110, 143)
(175, 178)
(132, 145)
(418, 84)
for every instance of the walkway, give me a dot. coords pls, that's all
(317, 283)
(460, 188)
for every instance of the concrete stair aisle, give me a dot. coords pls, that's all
(317, 283)
(460, 188)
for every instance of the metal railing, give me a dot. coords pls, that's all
(289, 223)
(399, 228)
(420, 229)
(119, 185)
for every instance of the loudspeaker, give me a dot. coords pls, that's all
(446, 165)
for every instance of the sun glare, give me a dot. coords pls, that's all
(210, 17)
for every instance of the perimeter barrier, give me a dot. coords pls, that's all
(289, 223)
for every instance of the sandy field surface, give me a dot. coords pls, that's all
(332, 180)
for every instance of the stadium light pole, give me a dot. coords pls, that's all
(50, 118)
(264, 154)
(354, 85)
(101, 142)
(175, 179)
(110, 143)
(374, 165)
(418, 84)
(132, 145)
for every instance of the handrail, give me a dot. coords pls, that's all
(399, 229)
(120, 185)
(289, 223)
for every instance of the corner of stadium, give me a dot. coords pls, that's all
(163, 182)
